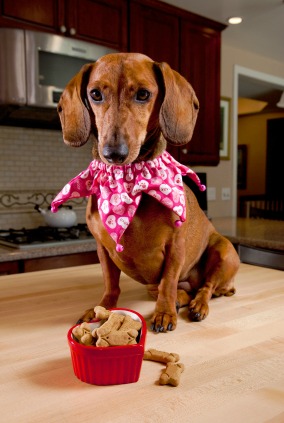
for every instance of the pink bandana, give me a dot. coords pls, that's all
(119, 190)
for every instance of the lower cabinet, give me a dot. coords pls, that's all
(9, 268)
(261, 257)
(46, 263)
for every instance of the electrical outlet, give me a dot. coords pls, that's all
(211, 193)
(226, 194)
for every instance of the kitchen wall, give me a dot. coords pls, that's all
(222, 175)
(34, 165)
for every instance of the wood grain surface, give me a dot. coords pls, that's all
(234, 360)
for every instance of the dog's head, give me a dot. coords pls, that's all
(126, 100)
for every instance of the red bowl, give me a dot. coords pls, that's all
(109, 365)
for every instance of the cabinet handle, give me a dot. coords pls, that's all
(184, 151)
(72, 31)
(63, 29)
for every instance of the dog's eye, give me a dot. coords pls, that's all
(142, 95)
(96, 95)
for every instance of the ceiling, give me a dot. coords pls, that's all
(261, 90)
(262, 29)
(261, 32)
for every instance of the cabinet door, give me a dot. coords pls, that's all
(104, 22)
(99, 21)
(58, 262)
(9, 268)
(40, 13)
(200, 65)
(154, 32)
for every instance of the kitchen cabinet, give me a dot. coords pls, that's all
(154, 32)
(40, 14)
(103, 22)
(188, 42)
(45, 263)
(200, 65)
(57, 262)
(191, 45)
(9, 268)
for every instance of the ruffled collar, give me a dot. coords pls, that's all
(119, 190)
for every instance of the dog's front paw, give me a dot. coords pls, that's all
(198, 310)
(87, 316)
(163, 322)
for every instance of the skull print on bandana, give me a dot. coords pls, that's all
(119, 190)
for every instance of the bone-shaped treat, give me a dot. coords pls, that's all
(160, 356)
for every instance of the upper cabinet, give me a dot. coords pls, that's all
(188, 42)
(191, 45)
(41, 14)
(154, 32)
(103, 22)
(200, 65)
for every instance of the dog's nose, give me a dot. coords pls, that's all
(115, 154)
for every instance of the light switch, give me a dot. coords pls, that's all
(226, 194)
(211, 193)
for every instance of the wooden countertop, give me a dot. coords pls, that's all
(233, 360)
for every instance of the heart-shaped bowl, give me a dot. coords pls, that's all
(109, 365)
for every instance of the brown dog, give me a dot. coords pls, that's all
(131, 106)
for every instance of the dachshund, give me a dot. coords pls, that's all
(131, 107)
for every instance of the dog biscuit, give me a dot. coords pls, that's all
(160, 356)
(129, 323)
(83, 334)
(171, 374)
(101, 313)
(117, 337)
(113, 323)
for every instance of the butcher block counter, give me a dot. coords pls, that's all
(233, 360)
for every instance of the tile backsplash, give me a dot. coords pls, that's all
(35, 162)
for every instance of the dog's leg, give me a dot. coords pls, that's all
(221, 263)
(183, 298)
(165, 315)
(111, 275)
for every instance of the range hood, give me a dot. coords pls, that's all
(29, 117)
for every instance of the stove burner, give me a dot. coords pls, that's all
(43, 235)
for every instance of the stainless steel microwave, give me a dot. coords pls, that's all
(34, 69)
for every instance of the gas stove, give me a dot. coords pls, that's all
(45, 236)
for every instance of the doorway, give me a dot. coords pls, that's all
(241, 72)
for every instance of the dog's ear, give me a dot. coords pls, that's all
(179, 109)
(73, 109)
